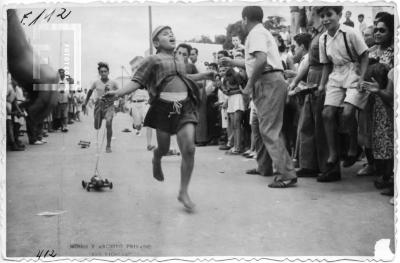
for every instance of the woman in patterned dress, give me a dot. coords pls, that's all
(381, 89)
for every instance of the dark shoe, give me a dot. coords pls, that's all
(150, 147)
(330, 177)
(304, 172)
(380, 183)
(16, 148)
(283, 183)
(349, 161)
(388, 192)
(45, 135)
(224, 147)
(253, 171)
(201, 144)
(332, 173)
(64, 130)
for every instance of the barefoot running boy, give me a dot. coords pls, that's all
(102, 109)
(173, 100)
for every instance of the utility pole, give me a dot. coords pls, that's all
(150, 31)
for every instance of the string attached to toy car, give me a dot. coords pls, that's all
(96, 169)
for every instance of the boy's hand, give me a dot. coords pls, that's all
(111, 95)
(372, 87)
(212, 74)
(225, 61)
(248, 90)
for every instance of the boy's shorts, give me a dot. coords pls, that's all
(162, 116)
(342, 87)
(102, 111)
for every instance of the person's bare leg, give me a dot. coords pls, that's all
(330, 124)
(185, 138)
(350, 123)
(149, 135)
(109, 134)
(163, 142)
(238, 115)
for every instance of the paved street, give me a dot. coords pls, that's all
(237, 214)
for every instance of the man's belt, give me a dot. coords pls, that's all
(271, 71)
(138, 101)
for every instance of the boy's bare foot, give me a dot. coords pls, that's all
(108, 149)
(157, 171)
(185, 200)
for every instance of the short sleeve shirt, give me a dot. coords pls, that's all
(314, 50)
(157, 70)
(99, 87)
(260, 39)
(63, 89)
(336, 51)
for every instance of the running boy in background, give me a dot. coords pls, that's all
(345, 54)
(173, 100)
(102, 109)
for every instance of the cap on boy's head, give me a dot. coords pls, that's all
(337, 9)
(158, 31)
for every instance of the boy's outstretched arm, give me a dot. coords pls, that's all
(128, 88)
(364, 60)
(202, 76)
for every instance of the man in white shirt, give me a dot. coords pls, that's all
(269, 91)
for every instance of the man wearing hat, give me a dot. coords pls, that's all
(173, 100)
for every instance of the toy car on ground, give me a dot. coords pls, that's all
(84, 144)
(96, 183)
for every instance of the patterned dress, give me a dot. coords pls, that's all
(383, 115)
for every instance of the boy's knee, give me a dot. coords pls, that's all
(328, 114)
(189, 151)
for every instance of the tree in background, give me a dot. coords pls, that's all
(234, 29)
(203, 39)
(274, 23)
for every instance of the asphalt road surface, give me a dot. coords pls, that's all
(236, 214)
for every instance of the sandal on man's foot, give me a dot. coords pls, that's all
(157, 171)
(283, 183)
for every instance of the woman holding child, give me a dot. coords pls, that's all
(380, 85)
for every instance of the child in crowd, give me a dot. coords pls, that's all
(173, 100)
(237, 46)
(235, 108)
(345, 54)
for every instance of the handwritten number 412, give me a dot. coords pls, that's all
(48, 253)
(63, 14)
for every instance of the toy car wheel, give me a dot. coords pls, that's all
(83, 184)
(111, 185)
(106, 181)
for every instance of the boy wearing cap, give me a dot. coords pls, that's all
(173, 99)
(344, 52)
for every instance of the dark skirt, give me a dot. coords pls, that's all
(164, 116)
